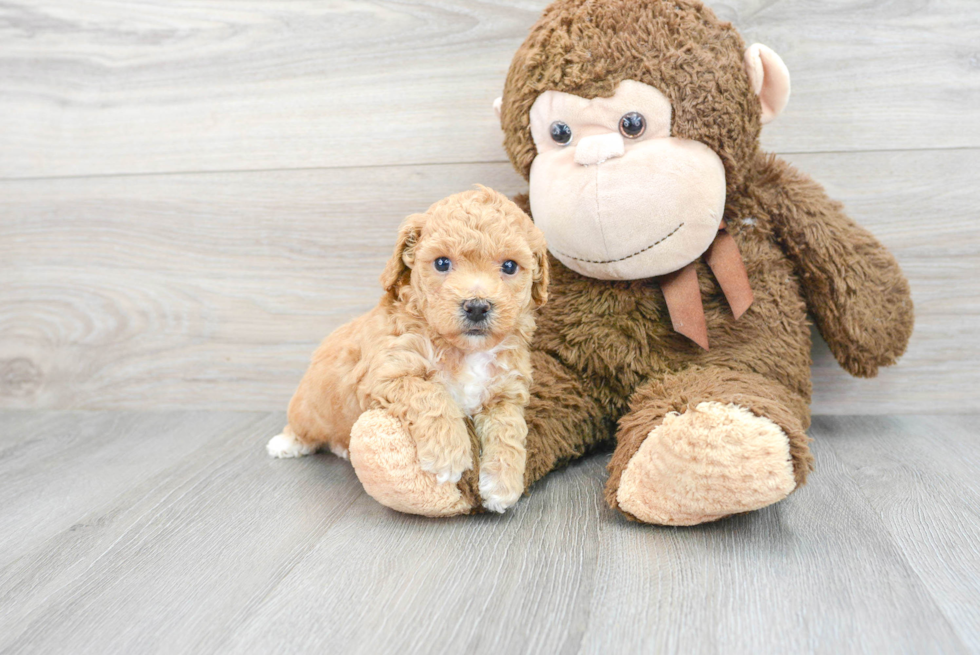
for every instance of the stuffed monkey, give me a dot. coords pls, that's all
(685, 262)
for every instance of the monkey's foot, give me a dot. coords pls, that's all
(712, 461)
(384, 459)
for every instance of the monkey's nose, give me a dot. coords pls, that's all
(599, 148)
(476, 309)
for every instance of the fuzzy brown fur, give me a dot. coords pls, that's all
(607, 364)
(418, 357)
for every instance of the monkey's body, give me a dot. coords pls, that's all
(611, 346)
(612, 339)
(698, 433)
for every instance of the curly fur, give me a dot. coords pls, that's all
(417, 357)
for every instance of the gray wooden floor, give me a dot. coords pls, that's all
(173, 532)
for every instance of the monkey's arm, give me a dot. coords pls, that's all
(853, 286)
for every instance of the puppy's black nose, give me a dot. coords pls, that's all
(476, 310)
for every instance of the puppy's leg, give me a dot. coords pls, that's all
(287, 444)
(434, 421)
(324, 407)
(503, 433)
(314, 425)
(385, 459)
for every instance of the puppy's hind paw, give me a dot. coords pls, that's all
(286, 445)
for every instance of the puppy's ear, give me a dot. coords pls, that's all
(539, 286)
(399, 268)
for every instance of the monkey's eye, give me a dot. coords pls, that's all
(561, 133)
(443, 264)
(509, 267)
(632, 125)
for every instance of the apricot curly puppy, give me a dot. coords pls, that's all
(449, 340)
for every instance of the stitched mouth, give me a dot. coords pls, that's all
(621, 259)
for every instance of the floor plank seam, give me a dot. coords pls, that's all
(490, 162)
(896, 543)
(247, 614)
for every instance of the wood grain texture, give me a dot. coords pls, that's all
(96, 87)
(57, 467)
(211, 290)
(170, 562)
(218, 548)
(920, 476)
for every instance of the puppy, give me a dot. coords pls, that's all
(448, 341)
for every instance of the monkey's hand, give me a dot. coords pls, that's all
(853, 286)
(385, 459)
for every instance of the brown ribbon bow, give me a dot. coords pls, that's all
(683, 295)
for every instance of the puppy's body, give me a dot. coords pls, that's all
(441, 346)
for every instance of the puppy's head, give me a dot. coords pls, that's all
(473, 265)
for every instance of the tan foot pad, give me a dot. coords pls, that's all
(705, 464)
(384, 459)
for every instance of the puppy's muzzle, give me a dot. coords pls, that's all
(476, 310)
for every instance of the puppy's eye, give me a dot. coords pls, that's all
(443, 264)
(561, 133)
(509, 267)
(632, 125)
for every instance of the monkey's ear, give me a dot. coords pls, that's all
(497, 104)
(398, 270)
(769, 78)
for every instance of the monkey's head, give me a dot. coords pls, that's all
(633, 120)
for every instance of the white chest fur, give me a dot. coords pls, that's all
(470, 384)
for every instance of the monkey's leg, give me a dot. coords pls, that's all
(563, 423)
(706, 443)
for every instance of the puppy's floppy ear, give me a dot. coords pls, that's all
(539, 286)
(398, 270)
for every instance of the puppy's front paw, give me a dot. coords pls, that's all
(500, 486)
(447, 459)
(287, 445)
(446, 468)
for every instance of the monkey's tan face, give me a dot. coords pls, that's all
(617, 197)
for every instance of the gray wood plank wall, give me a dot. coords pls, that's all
(192, 194)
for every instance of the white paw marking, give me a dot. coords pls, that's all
(284, 445)
(494, 497)
(444, 472)
(446, 475)
(340, 452)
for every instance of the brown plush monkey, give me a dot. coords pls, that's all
(685, 261)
